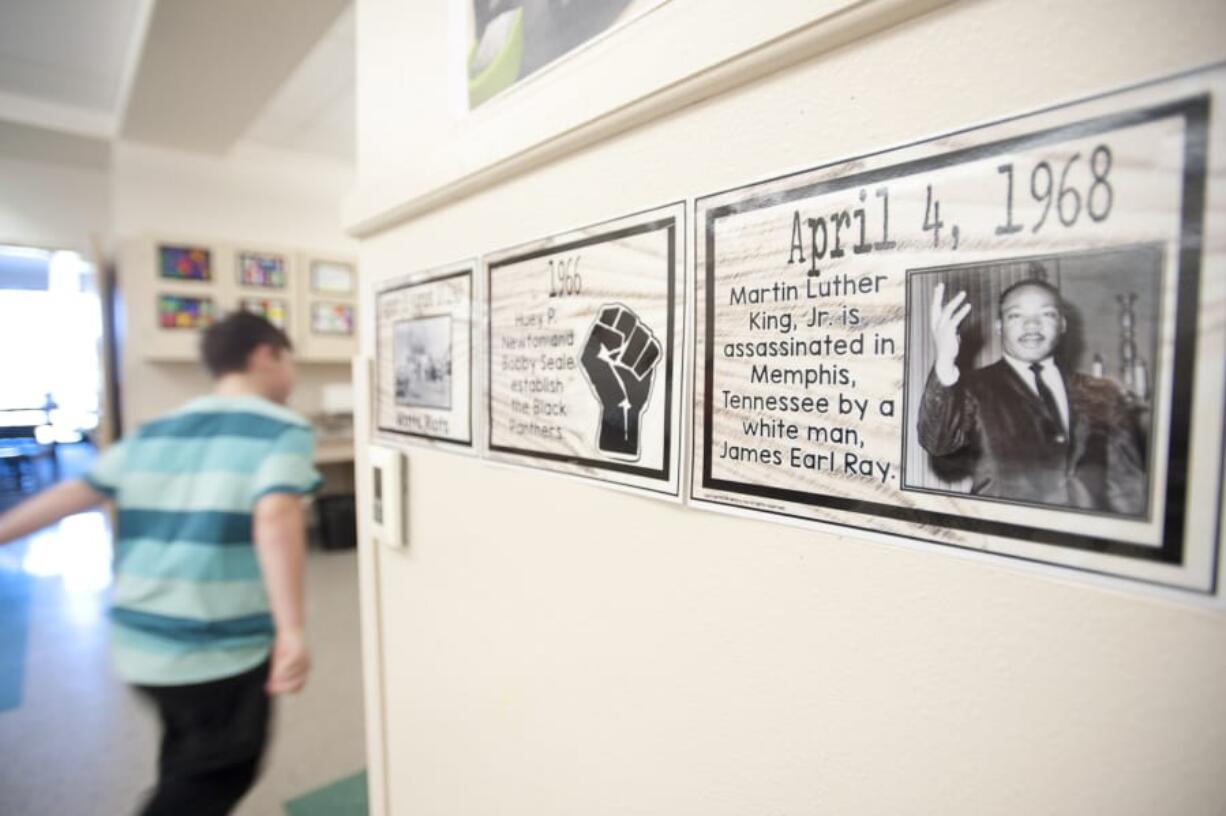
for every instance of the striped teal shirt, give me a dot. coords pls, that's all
(188, 603)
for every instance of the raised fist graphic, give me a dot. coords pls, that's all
(619, 359)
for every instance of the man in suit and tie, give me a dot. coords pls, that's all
(1034, 433)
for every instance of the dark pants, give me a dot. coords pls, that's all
(213, 737)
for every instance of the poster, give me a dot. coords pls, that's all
(331, 318)
(261, 270)
(1008, 339)
(332, 277)
(585, 351)
(183, 312)
(185, 263)
(512, 39)
(425, 357)
(274, 310)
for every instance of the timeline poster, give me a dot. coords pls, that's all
(425, 357)
(1008, 339)
(585, 361)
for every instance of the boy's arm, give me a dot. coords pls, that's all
(280, 544)
(48, 507)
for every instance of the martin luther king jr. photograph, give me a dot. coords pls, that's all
(1030, 381)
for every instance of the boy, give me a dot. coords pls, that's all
(207, 606)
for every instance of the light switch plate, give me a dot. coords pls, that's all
(389, 496)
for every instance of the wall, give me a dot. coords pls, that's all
(53, 189)
(547, 647)
(252, 195)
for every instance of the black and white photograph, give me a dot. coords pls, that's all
(425, 358)
(422, 359)
(1030, 380)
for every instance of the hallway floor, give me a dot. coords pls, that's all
(75, 740)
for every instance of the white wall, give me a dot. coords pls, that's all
(51, 204)
(260, 196)
(547, 647)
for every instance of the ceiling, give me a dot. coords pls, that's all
(62, 62)
(315, 109)
(197, 75)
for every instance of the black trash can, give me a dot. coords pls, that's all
(338, 523)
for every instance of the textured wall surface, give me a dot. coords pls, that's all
(547, 647)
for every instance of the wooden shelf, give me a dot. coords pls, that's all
(333, 451)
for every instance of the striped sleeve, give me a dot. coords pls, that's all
(289, 466)
(105, 474)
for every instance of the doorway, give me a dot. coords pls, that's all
(51, 331)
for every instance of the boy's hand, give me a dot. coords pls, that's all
(291, 662)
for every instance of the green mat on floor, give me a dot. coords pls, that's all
(344, 798)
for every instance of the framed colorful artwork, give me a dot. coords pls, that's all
(179, 312)
(332, 318)
(261, 270)
(332, 277)
(275, 310)
(185, 263)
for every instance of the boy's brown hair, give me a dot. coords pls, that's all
(228, 343)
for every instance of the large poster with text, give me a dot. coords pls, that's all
(1008, 339)
(585, 363)
(425, 357)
